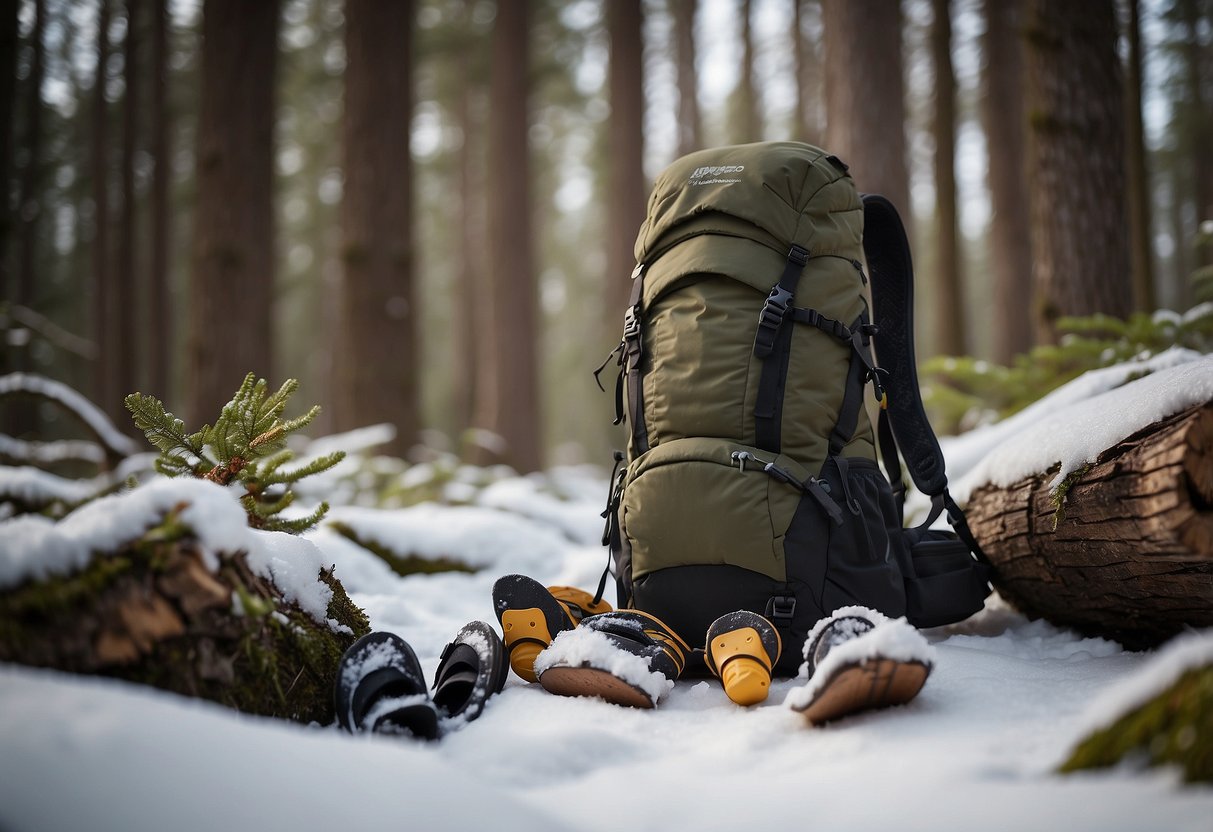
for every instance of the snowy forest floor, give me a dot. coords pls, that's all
(978, 748)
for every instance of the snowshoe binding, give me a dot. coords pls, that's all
(473, 667)
(626, 657)
(741, 648)
(380, 687)
(858, 660)
(531, 616)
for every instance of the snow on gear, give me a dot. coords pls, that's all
(472, 668)
(742, 648)
(751, 479)
(530, 617)
(858, 660)
(626, 657)
(380, 687)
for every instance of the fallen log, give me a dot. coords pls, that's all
(1123, 548)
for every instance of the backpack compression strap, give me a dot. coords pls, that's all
(892, 274)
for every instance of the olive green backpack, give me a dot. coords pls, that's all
(751, 479)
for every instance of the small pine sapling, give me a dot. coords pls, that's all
(247, 444)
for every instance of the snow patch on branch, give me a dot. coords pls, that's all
(69, 399)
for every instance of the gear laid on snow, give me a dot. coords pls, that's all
(473, 667)
(626, 657)
(742, 648)
(858, 660)
(380, 687)
(531, 616)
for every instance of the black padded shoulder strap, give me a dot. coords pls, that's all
(892, 273)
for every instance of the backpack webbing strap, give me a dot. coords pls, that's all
(773, 339)
(859, 371)
(633, 354)
(891, 460)
(892, 275)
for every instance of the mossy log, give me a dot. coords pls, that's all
(1124, 549)
(154, 613)
(1173, 728)
(403, 565)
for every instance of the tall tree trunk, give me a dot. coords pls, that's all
(1139, 193)
(1199, 123)
(865, 95)
(126, 277)
(745, 118)
(159, 313)
(806, 122)
(106, 379)
(376, 356)
(626, 187)
(509, 405)
(9, 31)
(690, 123)
(950, 325)
(232, 274)
(466, 329)
(1004, 117)
(1079, 225)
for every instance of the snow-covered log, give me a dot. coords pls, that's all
(1124, 547)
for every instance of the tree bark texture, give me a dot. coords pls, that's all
(1139, 191)
(690, 123)
(159, 314)
(1129, 553)
(865, 95)
(106, 379)
(126, 275)
(1004, 117)
(509, 405)
(1077, 170)
(1198, 122)
(745, 116)
(950, 329)
(626, 190)
(9, 32)
(232, 279)
(376, 357)
(469, 277)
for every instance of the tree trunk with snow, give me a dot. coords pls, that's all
(1124, 549)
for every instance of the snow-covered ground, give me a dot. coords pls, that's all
(976, 750)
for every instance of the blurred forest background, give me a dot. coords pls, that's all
(425, 209)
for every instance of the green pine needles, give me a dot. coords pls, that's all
(247, 444)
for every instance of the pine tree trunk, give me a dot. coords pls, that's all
(126, 276)
(746, 121)
(509, 405)
(625, 135)
(950, 324)
(1004, 117)
(8, 108)
(376, 356)
(1079, 223)
(806, 123)
(1199, 123)
(159, 314)
(690, 124)
(1129, 554)
(232, 275)
(465, 323)
(865, 95)
(1139, 193)
(105, 379)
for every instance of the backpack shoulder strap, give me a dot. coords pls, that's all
(892, 273)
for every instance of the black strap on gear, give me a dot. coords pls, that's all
(773, 344)
(633, 355)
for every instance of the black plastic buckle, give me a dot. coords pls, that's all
(771, 319)
(877, 376)
(631, 334)
(780, 610)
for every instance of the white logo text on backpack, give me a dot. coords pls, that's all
(715, 175)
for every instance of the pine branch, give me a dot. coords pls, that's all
(300, 525)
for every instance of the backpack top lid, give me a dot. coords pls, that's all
(774, 193)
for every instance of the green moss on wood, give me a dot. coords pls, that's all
(1173, 728)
